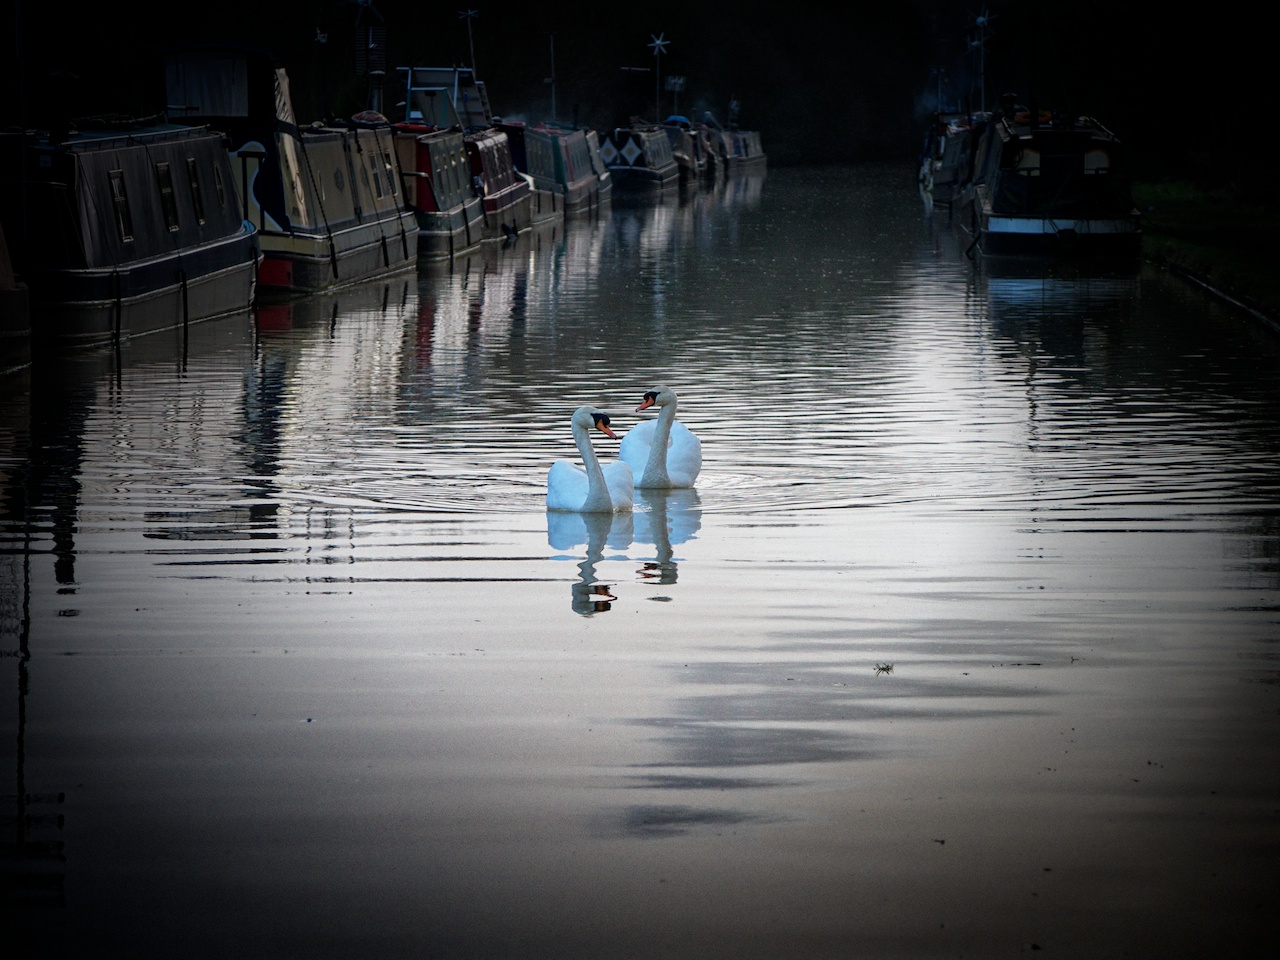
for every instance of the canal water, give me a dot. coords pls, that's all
(963, 645)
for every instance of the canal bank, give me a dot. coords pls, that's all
(1215, 240)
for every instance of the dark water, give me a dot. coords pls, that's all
(963, 645)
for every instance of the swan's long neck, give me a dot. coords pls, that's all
(655, 470)
(598, 498)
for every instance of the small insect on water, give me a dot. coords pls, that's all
(884, 668)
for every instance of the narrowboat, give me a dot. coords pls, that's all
(545, 205)
(946, 160)
(558, 160)
(326, 198)
(454, 96)
(640, 159)
(691, 147)
(437, 186)
(603, 177)
(738, 150)
(122, 226)
(505, 196)
(1050, 184)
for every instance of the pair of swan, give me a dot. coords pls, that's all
(662, 453)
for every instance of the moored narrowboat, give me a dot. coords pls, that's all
(558, 161)
(640, 159)
(326, 198)
(437, 187)
(455, 97)
(505, 195)
(946, 160)
(738, 150)
(124, 226)
(1051, 184)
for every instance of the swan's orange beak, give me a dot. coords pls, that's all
(604, 428)
(645, 405)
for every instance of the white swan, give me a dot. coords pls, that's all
(662, 453)
(595, 489)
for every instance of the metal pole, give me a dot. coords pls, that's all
(659, 47)
(469, 15)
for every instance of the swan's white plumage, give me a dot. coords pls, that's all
(592, 487)
(683, 459)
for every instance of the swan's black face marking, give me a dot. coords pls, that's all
(602, 424)
(650, 398)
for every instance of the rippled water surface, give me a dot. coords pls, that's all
(963, 645)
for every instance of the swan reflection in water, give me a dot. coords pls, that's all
(597, 531)
(670, 518)
(664, 518)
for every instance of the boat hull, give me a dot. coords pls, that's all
(448, 234)
(85, 308)
(299, 263)
(1060, 237)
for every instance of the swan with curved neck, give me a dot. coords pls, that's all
(662, 453)
(591, 488)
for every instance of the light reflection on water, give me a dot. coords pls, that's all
(999, 483)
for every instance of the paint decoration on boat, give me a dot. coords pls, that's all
(1050, 184)
(640, 158)
(121, 227)
(326, 198)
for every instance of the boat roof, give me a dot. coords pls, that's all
(103, 132)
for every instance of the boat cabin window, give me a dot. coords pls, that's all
(168, 202)
(220, 187)
(1097, 161)
(197, 199)
(377, 180)
(1029, 163)
(120, 206)
(391, 174)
